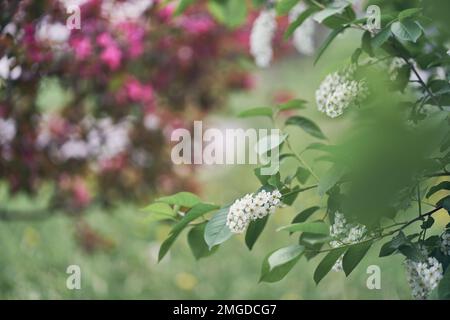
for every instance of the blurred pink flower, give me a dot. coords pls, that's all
(197, 24)
(111, 56)
(82, 47)
(81, 194)
(166, 12)
(105, 40)
(138, 92)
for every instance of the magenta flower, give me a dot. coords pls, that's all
(82, 48)
(111, 56)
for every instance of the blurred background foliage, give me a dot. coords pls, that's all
(117, 247)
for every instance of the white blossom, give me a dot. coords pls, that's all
(55, 34)
(303, 37)
(7, 71)
(105, 139)
(343, 234)
(74, 149)
(339, 91)
(262, 34)
(8, 131)
(445, 243)
(121, 11)
(423, 276)
(252, 207)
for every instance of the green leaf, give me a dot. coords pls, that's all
(165, 246)
(441, 186)
(290, 199)
(444, 203)
(160, 211)
(302, 175)
(444, 286)
(182, 6)
(255, 112)
(268, 143)
(354, 255)
(330, 178)
(328, 41)
(381, 37)
(317, 227)
(299, 21)
(194, 213)
(307, 125)
(197, 242)
(182, 199)
(328, 12)
(304, 215)
(278, 263)
(231, 13)
(412, 252)
(284, 6)
(409, 13)
(216, 230)
(327, 263)
(427, 224)
(366, 44)
(254, 230)
(293, 104)
(406, 30)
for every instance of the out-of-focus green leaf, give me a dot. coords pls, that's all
(317, 227)
(255, 112)
(307, 125)
(182, 199)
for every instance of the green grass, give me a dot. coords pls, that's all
(34, 255)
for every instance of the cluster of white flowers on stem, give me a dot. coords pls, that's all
(303, 37)
(343, 234)
(262, 34)
(423, 276)
(252, 207)
(339, 91)
(445, 243)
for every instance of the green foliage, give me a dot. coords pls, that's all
(394, 146)
(327, 263)
(307, 125)
(216, 230)
(317, 227)
(278, 263)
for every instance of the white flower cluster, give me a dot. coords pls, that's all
(262, 34)
(445, 243)
(423, 277)
(55, 34)
(303, 37)
(344, 234)
(252, 207)
(339, 91)
(7, 131)
(104, 139)
(121, 11)
(8, 70)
